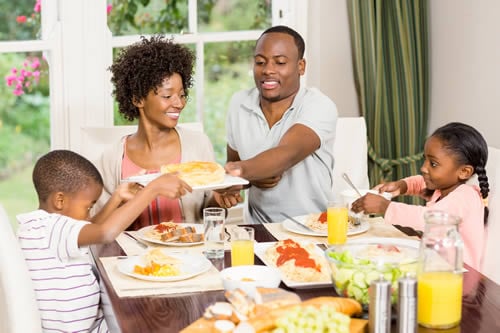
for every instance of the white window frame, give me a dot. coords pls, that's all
(78, 47)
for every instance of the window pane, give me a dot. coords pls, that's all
(24, 127)
(228, 68)
(224, 15)
(129, 17)
(20, 19)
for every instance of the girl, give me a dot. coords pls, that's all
(453, 153)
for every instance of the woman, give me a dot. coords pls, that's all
(151, 80)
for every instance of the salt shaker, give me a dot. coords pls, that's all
(407, 305)
(379, 307)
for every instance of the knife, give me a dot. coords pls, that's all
(139, 242)
(299, 223)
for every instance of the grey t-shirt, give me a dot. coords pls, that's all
(306, 187)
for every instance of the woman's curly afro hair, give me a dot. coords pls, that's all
(142, 67)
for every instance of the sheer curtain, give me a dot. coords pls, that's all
(390, 49)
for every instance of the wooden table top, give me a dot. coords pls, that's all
(171, 313)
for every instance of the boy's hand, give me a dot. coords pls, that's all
(127, 191)
(228, 197)
(170, 186)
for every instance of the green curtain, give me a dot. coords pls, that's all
(391, 69)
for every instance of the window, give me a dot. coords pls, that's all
(74, 43)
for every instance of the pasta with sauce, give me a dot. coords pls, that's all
(298, 262)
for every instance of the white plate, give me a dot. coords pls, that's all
(260, 250)
(292, 227)
(228, 181)
(191, 265)
(141, 233)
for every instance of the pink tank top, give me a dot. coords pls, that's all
(159, 210)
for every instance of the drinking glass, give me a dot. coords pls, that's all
(336, 219)
(242, 241)
(213, 223)
(439, 277)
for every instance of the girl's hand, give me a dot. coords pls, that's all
(371, 204)
(170, 186)
(394, 188)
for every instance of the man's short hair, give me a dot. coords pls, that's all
(299, 41)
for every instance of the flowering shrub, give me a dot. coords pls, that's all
(25, 77)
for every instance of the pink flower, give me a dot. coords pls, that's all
(36, 74)
(38, 6)
(21, 19)
(14, 70)
(18, 92)
(9, 79)
(109, 8)
(35, 63)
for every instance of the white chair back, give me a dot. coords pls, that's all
(96, 139)
(18, 308)
(350, 151)
(490, 263)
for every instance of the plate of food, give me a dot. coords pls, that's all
(317, 222)
(301, 264)
(157, 265)
(198, 174)
(173, 234)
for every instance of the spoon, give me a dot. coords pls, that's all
(348, 180)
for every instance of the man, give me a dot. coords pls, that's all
(280, 134)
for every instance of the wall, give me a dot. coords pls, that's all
(464, 59)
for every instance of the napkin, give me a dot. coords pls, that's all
(127, 286)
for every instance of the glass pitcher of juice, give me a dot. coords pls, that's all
(439, 274)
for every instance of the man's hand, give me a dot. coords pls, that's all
(267, 183)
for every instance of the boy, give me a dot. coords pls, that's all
(55, 238)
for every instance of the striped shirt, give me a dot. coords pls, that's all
(66, 288)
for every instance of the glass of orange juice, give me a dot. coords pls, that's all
(336, 219)
(439, 277)
(242, 241)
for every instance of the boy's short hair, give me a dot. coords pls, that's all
(63, 171)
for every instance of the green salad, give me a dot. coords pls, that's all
(352, 276)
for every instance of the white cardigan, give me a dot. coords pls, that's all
(195, 146)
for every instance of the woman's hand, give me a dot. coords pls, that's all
(370, 204)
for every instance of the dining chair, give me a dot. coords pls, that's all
(490, 263)
(350, 151)
(18, 307)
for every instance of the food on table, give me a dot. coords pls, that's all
(311, 319)
(272, 307)
(157, 255)
(158, 264)
(317, 222)
(174, 232)
(268, 321)
(299, 262)
(197, 173)
(355, 266)
(264, 299)
(155, 269)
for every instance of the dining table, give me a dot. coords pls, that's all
(174, 312)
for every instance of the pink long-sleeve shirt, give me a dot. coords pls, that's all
(465, 201)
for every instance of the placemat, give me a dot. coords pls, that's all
(377, 229)
(126, 286)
